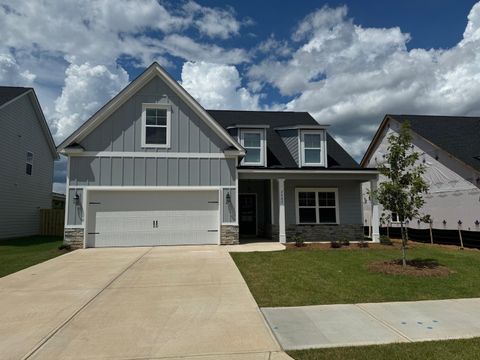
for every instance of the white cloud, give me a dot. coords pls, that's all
(11, 74)
(217, 86)
(87, 88)
(213, 22)
(350, 76)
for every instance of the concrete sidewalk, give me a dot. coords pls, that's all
(379, 323)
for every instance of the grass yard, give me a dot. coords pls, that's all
(432, 350)
(17, 254)
(335, 276)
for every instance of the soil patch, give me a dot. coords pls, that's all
(415, 267)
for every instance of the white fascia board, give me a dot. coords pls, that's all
(268, 171)
(157, 154)
(152, 188)
(130, 90)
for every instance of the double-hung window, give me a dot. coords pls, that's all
(253, 140)
(29, 163)
(312, 144)
(317, 206)
(156, 125)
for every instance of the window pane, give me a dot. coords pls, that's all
(327, 215)
(326, 199)
(307, 215)
(28, 169)
(311, 140)
(306, 199)
(312, 156)
(156, 135)
(252, 156)
(29, 157)
(151, 112)
(251, 140)
(161, 117)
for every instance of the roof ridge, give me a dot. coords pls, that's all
(260, 111)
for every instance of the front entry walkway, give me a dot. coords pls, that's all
(134, 303)
(367, 324)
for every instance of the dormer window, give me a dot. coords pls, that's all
(156, 125)
(253, 140)
(312, 147)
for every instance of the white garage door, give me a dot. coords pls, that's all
(147, 218)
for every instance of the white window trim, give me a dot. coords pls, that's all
(323, 148)
(317, 190)
(29, 162)
(144, 124)
(263, 153)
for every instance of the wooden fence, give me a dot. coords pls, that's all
(52, 222)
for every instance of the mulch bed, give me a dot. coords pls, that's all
(415, 267)
(328, 246)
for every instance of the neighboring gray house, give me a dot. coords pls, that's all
(152, 167)
(26, 165)
(449, 148)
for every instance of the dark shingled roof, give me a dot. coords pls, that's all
(457, 135)
(278, 155)
(8, 93)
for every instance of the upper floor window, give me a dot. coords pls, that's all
(253, 140)
(29, 163)
(312, 148)
(156, 125)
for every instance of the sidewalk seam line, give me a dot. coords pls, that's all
(52, 333)
(384, 323)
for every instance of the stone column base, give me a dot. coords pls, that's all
(229, 235)
(73, 237)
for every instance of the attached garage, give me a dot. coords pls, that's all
(152, 217)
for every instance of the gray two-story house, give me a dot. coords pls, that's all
(153, 167)
(26, 164)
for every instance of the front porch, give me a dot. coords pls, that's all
(317, 206)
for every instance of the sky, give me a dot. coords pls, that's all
(348, 63)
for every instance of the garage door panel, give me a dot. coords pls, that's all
(147, 218)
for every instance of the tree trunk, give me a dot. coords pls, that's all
(404, 243)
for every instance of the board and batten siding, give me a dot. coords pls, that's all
(122, 130)
(22, 196)
(150, 171)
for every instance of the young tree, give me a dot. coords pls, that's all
(402, 189)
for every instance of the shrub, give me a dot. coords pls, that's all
(362, 244)
(65, 247)
(335, 244)
(385, 240)
(299, 241)
(345, 242)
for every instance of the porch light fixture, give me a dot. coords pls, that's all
(228, 198)
(76, 198)
(444, 222)
(477, 222)
(459, 222)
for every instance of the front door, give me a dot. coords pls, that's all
(247, 208)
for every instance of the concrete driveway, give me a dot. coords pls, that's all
(134, 303)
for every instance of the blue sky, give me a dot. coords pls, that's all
(346, 62)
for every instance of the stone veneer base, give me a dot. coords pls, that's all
(320, 232)
(229, 235)
(73, 237)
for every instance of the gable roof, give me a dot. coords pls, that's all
(457, 135)
(278, 155)
(153, 70)
(9, 94)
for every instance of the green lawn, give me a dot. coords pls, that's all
(333, 276)
(17, 254)
(432, 350)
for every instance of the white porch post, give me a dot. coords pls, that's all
(281, 211)
(375, 218)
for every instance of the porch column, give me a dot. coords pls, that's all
(375, 218)
(281, 211)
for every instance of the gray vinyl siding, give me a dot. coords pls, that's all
(122, 130)
(349, 197)
(290, 138)
(75, 209)
(141, 171)
(22, 195)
